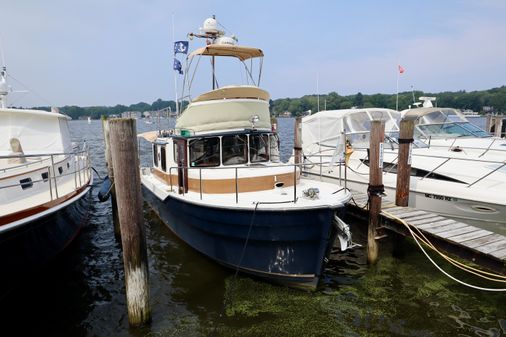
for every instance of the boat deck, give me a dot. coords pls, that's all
(473, 244)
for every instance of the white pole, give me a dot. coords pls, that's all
(397, 93)
(175, 76)
(318, 90)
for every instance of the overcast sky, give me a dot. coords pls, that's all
(107, 52)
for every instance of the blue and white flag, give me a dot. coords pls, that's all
(181, 47)
(178, 66)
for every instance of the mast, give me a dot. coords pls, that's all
(4, 88)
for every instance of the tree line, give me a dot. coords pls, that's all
(494, 99)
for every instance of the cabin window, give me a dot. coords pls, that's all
(45, 176)
(234, 149)
(258, 148)
(155, 155)
(26, 183)
(274, 154)
(60, 170)
(68, 165)
(205, 152)
(163, 159)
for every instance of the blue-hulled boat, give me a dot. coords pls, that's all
(217, 182)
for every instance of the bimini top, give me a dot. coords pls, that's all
(241, 52)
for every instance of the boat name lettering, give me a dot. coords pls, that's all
(440, 197)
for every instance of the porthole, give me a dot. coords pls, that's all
(26, 183)
(60, 169)
(483, 209)
(45, 176)
(68, 165)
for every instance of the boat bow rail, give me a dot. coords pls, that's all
(30, 180)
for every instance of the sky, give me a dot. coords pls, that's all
(108, 52)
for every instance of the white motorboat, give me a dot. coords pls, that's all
(217, 182)
(44, 184)
(456, 184)
(450, 130)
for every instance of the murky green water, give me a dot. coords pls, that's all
(82, 293)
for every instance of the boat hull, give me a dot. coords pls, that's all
(28, 247)
(283, 246)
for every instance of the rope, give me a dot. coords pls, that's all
(480, 273)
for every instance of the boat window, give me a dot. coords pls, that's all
(26, 183)
(163, 158)
(205, 152)
(235, 149)
(45, 176)
(258, 148)
(274, 139)
(475, 130)
(155, 155)
(60, 169)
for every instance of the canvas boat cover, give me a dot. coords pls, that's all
(241, 52)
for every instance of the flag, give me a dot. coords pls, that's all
(178, 66)
(401, 70)
(181, 47)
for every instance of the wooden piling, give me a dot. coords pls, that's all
(498, 126)
(123, 147)
(404, 162)
(110, 173)
(375, 190)
(297, 143)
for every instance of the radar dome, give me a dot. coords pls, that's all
(210, 26)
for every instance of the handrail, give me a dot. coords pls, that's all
(236, 176)
(78, 164)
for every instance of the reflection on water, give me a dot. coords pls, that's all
(82, 293)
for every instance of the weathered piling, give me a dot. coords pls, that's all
(376, 189)
(297, 144)
(404, 162)
(110, 173)
(123, 147)
(498, 126)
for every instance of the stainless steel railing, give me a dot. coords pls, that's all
(79, 166)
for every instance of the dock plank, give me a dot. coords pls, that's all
(500, 254)
(457, 231)
(483, 240)
(417, 223)
(398, 210)
(443, 226)
(436, 224)
(478, 233)
(493, 246)
(421, 217)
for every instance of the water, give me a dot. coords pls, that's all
(82, 293)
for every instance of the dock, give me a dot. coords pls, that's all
(479, 246)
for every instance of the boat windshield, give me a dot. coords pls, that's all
(358, 126)
(446, 123)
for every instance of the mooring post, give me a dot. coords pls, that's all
(498, 126)
(375, 190)
(488, 122)
(123, 141)
(404, 163)
(110, 173)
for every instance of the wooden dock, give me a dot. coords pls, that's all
(470, 243)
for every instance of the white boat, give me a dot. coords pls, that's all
(89, 120)
(217, 182)
(450, 130)
(44, 184)
(456, 184)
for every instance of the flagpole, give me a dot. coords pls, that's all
(397, 93)
(175, 76)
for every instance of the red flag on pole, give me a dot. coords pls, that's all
(401, 69)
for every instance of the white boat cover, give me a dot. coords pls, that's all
(37, 131)
(325, 127)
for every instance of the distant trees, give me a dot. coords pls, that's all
(474, 100)
(463, 100)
